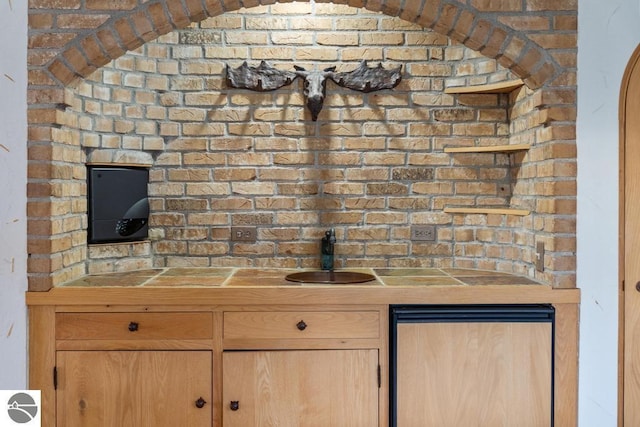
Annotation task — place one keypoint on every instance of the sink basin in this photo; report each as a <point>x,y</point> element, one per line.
<point>330,277</point>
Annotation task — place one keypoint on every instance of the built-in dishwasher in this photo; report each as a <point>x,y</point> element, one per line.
<point>471,365</point>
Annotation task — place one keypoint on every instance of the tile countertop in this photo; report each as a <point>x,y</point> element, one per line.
<point>275,277</point>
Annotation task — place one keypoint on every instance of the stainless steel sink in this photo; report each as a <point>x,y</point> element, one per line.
<point>330,277</point>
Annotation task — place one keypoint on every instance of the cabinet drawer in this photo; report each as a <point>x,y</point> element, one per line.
<point>301,324</point>
<point>133,326</point>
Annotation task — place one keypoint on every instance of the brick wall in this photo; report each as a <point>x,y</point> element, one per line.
<point>371,166</point>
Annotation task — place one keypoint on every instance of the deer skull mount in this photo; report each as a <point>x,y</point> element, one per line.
<point>265,78</point>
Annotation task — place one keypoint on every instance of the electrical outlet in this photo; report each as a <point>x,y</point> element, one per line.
<point>540,256</point>
<point>243,234</point>
<point>423,232</point>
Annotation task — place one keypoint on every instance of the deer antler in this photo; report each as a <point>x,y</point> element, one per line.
<point>261,78</point>
<point>368,79</point>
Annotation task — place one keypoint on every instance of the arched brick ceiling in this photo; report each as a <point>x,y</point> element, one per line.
<point>478,30</point>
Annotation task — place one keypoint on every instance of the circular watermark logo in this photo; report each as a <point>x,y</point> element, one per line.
<point>22,408</point>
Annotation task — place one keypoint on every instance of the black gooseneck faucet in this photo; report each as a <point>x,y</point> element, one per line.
<point>326,249</point>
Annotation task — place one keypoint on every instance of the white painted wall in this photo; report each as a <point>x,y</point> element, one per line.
<point>608,33</point>
<point>13,172</point>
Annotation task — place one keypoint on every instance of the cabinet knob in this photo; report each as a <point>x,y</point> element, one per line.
<point>234,405</point>
<point>638,286</point>
<point>301,325</point>
<point>200,403</point>
<point>133,326</point>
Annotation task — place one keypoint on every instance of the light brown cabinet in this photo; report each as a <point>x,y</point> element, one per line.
<point>290,356</point>
<point>284,324</point>
<point>300,388</point>
<point>120,369</point>
<point>291,366</point>
<point>133,326</point>
<point>134,388</point>
<point>474,374</point>
<point>302,368</point>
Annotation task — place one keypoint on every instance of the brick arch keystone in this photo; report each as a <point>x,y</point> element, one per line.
<point>479,31</point>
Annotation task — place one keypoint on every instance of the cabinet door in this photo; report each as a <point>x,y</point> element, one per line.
<point>474,375</point>
<point>133,388</point>
<point>314,388</point>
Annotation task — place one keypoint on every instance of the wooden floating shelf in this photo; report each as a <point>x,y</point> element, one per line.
<point>497,211</point>
<point>489,149</point>
<point>500,87</point>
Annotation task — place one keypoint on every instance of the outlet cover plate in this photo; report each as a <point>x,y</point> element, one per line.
<point>243,234</point>
<point>423,233</point>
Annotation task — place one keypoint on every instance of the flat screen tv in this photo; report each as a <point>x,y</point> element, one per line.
<point>118,204</point>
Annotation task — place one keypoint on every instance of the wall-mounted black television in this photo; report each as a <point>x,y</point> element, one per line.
<point>118,205</point>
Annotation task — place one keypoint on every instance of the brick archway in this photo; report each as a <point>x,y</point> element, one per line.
<point>478,30</point>
<point>70,39</point>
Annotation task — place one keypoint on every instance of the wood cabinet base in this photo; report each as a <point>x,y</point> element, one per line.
<point>130,363</point>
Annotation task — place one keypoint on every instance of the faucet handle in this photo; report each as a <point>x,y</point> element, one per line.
<point>331,235</point>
